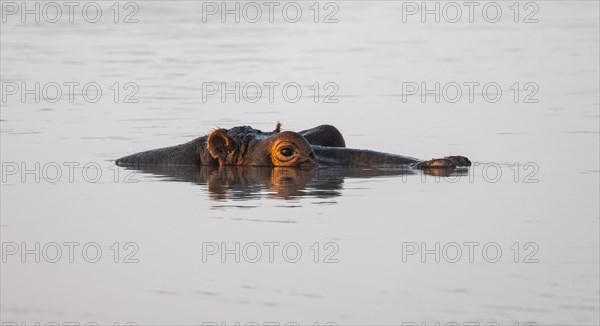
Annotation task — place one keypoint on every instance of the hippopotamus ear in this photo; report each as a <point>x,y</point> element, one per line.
<point>219,144</point>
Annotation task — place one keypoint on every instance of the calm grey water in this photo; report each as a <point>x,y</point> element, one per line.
<point>361,246</point>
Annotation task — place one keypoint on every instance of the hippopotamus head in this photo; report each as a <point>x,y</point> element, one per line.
<point>245,146</point>
<point>250,147</point>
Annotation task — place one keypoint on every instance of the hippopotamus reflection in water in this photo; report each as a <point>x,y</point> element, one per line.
<point>321,146</point>
<point>250,182</point>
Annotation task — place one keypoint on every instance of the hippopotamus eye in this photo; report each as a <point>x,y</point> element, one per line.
<point>287,152</point>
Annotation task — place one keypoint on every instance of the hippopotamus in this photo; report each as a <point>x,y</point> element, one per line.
<point>321,146</point>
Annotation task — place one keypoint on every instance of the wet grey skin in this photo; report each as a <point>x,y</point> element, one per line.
<point>321,146</point>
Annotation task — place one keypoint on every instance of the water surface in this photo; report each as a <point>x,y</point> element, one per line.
<point>535,181</point>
